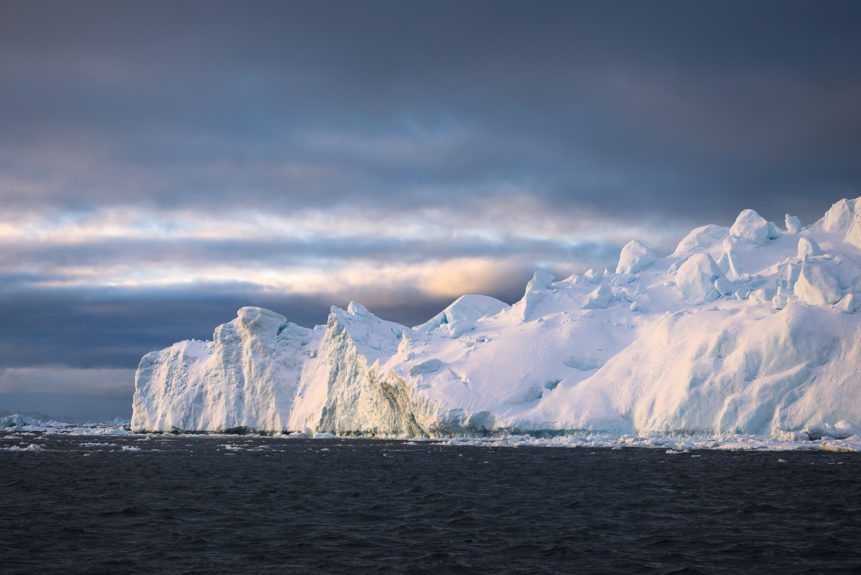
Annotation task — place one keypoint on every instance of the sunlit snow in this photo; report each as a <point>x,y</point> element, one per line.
<point>743,331</point>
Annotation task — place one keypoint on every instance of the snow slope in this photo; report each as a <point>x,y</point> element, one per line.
<point>743,329</point>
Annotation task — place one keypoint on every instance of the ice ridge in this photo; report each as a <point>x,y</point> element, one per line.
<point>749,329</point>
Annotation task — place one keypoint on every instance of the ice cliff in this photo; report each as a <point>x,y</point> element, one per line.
<point>745,329</point>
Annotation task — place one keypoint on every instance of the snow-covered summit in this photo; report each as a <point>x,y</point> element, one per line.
<point>462,315</point>
<point>742,329</point>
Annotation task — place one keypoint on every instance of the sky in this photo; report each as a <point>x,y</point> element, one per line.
<point>165,163</point>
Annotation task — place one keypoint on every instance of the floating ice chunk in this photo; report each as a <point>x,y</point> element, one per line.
<point>31,447</point>
<point>15,420</point>
<point>807,248</point>
<point>793,224</point>
<point>816,285</point>
<point>599,298</point>
<point>696,278</point>
<point>481,421</point>
<point>635,257</point>
<point>846,428</point>
<point>841,430</point>
<point>750,226</point>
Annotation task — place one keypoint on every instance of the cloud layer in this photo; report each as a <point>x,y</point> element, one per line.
<point>162,164</point>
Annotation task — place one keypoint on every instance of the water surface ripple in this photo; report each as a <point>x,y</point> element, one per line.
<point>270,505</point>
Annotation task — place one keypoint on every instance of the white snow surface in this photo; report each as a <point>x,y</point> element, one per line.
<point>635,257</point>
<point>747,330</point>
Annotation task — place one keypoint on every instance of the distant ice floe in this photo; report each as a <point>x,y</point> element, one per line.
<point>18,422</point>
<point>30,447</point>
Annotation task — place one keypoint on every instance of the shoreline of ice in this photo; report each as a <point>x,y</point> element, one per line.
<point>840,438</point>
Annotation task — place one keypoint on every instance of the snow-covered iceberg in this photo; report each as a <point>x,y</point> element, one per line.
<point>744,329</point>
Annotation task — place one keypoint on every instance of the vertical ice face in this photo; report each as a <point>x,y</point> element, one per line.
<point>853,234</point>
<point>739,330</point>
<point>535,291</point>
<point>246,377</point>
<point>839,216</point>
<point>344,393</point>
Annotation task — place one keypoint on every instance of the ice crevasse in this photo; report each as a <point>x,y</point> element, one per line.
<point>743,329</point>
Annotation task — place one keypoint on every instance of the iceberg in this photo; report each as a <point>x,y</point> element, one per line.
<point>741,330</point>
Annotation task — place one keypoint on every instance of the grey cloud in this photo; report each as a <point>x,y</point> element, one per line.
<point>287,253</point>
<point>665,108</point>
<point>82,408</point>
<point>113,328</point>
<point>679,113</point>
<point>41,380</point>
<point>108,328</point>
<point>90,327</point>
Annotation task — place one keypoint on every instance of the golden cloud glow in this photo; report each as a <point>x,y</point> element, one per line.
<point>337,254</point>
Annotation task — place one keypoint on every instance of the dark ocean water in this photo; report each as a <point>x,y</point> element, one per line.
<point>188,504</point>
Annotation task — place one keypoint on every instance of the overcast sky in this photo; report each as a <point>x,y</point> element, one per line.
<point>164,163</point>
